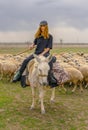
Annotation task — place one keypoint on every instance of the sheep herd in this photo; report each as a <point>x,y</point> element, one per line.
<point>9,64</point>
<point>76,65</point>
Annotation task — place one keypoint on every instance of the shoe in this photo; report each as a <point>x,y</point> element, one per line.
<point>53,85</point>
<point>54,59</point>
<point>16,77</point>
<point>52,80</point>
<point>23,81</point>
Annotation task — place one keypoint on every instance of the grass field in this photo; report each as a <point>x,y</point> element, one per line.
<point>69,112</point>
<point>55,50</point>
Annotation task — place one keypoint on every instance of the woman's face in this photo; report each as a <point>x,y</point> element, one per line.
<point>42,28</point>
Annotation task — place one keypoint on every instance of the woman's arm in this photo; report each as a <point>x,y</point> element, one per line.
<point>45,51</point>
<point>32,46</point>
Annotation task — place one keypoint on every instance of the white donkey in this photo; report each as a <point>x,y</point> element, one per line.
<point>38,70</point>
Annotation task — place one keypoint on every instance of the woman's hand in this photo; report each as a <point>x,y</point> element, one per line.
<point>31,46</point>
<point>45,51</point>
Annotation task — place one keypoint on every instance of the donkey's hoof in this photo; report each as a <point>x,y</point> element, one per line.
<point>31,108</point>
<point>52,101</point>
<point>43,112</point>
<point>81,91</point>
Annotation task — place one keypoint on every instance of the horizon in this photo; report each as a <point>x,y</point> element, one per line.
<point>60,43</point>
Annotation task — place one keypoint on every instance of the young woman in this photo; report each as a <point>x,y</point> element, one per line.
<point>43,43</point>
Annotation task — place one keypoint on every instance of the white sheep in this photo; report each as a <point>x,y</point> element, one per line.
<point>83,69</point>
<point>7,68</point>
<point>75,76</point>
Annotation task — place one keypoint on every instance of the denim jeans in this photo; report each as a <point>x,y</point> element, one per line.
<point>25,62</point>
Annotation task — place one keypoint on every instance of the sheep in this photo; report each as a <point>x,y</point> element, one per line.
<point>7,69</point>
<point>77,61</point>
<point>9,64</point>
<point>75,76</point>
<point>83,69</point>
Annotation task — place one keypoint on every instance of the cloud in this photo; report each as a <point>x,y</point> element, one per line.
<point>20,16</point>
<point>21,36</point>
<point>70,35</point>
<point>24,14</point>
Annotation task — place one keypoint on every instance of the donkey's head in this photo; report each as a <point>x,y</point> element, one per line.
<point>42,69</point>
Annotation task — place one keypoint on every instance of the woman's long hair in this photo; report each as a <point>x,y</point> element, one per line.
<point>45,34</point>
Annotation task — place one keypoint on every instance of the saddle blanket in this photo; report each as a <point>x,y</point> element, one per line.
<point>59,73</point>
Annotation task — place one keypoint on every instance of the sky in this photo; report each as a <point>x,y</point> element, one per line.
<point>67,19</point>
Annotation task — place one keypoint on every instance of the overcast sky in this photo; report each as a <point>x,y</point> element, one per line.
<point>68,19</point>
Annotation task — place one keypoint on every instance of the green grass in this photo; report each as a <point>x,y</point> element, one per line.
<point>67,49</point>
<point>55,50</point>
<point>69,112</point>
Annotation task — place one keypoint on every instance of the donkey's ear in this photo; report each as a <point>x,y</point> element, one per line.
<point>49,58</point>
<point>37,58</point>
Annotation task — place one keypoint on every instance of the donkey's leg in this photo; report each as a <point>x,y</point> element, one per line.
<point>33,98</point>
<point>41,96</point>
<point>53,95</point>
